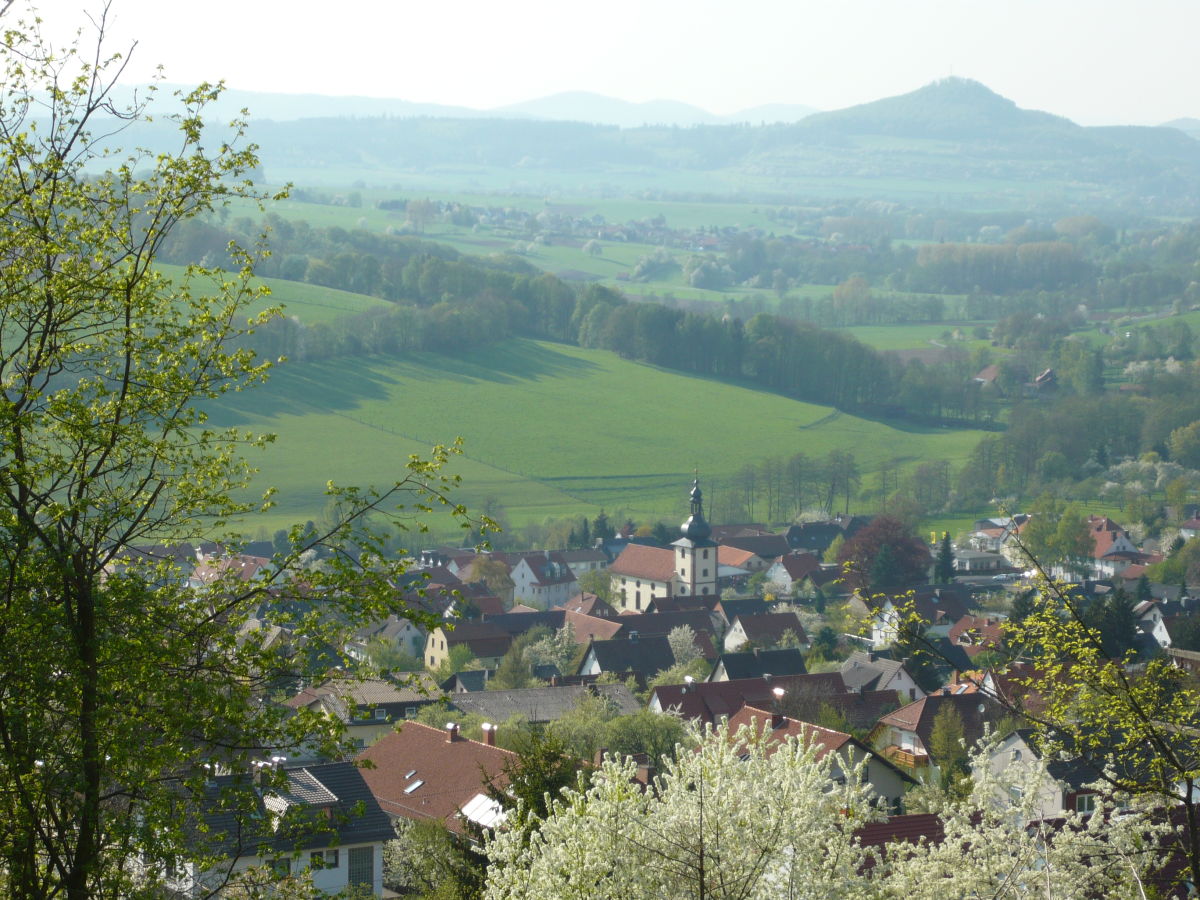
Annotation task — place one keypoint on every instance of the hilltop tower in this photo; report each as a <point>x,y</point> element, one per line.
<point>696,552</point>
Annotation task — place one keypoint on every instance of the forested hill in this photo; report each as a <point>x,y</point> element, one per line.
<point>442,301</point>
<point>950,131</point>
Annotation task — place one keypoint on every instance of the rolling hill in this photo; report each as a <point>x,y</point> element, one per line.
<point>550,429</point>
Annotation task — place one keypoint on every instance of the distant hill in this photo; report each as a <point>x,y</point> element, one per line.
<point>952,108</point>
<point>583,106</point>
<point>1188,126</point>
<point>953,135</point>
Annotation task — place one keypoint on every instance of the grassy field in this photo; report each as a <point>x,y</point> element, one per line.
<point>308,302</point>
<point>549,429</point>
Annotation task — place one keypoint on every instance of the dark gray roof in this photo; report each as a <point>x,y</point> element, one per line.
<point>756,663</point>
<point>238,823</point>
<point>866,670</point>
<point>541,704</point>
<point>643,656</point>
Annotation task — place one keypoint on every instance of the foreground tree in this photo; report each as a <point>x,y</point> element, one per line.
<point>121,688</point>
<point>734,817</point>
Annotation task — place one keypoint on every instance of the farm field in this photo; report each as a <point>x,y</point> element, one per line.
<point>550,429</point>
<point>308,302</point>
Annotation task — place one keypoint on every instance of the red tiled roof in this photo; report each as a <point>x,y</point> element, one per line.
<point>451,772</point>
<point>781,727</point>
<point>800,565</point>
<point>644,561</point>
<point>585,627</point>
<point>732,556</point>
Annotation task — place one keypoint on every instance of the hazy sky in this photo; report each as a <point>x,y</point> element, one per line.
<point>1095,61</point>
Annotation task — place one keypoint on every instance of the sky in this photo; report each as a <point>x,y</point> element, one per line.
<point>1097,62</point>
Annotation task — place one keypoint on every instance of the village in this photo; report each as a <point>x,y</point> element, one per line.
<point>725,626</point>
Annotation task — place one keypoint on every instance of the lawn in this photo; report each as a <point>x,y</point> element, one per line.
<point>550,429</point>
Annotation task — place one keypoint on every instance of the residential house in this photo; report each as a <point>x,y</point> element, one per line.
<point>320,821</point>
<point>487,642</point>
<point>766,547</point>
<point>977,634</point>
<point>816,537</point>
<point>641,657</point>
<point>937,607</point>
<point>1066,786</point>
<point>707,701</point>
<point>788,573</point>
<point>870,671</point>
<point>904,736</point>
<point>763,630</point>
<point>1190,528</point>
<point>1112,552</point>
<point>582,561</point>
<point>424,773</point>
<point>978,562</point>
<point>369,709</point>
<point>394,632</point>
<point>543,580</point>
<point>540,705</point>
<point>886,782</point>
<point>758,662</point>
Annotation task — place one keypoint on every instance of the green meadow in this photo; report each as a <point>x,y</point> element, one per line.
<point>308,302</point>
<point>550,429</point>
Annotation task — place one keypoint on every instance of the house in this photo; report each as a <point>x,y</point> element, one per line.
<point>886,782</point>
<point>394,632</point>
<point>487,642</point>
<point>975,562</point>
<point>937,607</point>
<point>424,773</point>
<point>757,662</point>
<point>641,657</point>
<point>1112,552</point>
<point>542,704</point>
<point>1190,528</point>
<point>582,561</point>
<point>687,568</point>
<point>238,567</point>
<point>816,537</point>
<point>1066,786</point>
<point>869,671</point>
<point>543,580</point>
<point>707,701</point>
<point>788,573</point>
<point>321,821</point>
<point>766,547</point>
<point>370,708</point>
<point>976,634</point>
<point>763,630</point>
<point>904,736</point>
<point>997,535</point>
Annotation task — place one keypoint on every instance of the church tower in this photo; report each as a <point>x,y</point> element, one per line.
<point>695,552</point>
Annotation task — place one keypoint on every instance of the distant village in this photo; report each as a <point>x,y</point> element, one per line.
<point>736,624</point>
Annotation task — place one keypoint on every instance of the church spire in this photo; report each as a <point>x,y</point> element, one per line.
<point>696,528</point>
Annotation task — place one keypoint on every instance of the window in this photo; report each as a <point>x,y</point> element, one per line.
<point>323,859</point>
<point>705,573</point>
<point>409,712</point>
<point>706,554</point>
<point>704,590</point>
<point>380,713</point>
<point>1085,803</point>
<point>282,867</point>
<point>361,862</point>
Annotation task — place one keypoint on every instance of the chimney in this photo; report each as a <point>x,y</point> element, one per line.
<point>756,653</point>
<point>645,769</point>
<point>553,681</point>
<point>870,656</point>
<point>489,734</point>
<point>633,636</point>
<point>451,732</point>
<point>776,708</point>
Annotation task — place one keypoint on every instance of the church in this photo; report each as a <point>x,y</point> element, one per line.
<point>688,568</point>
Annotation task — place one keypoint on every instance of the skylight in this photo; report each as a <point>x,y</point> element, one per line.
<point>412,787</point>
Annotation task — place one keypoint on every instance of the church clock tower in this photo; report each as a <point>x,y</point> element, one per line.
<point>695,552</point>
